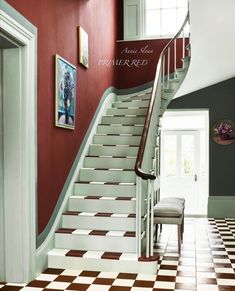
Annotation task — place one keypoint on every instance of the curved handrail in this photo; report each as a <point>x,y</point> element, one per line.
<point>139,172</point>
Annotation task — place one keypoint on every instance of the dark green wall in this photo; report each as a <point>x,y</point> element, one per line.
<point>220,100</point>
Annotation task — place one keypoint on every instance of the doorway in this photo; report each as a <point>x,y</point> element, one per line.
<point>17,149</point>
<point>185,159</point>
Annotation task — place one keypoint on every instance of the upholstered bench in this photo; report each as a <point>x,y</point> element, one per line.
<point>170,211</point>
<point>173,200</point>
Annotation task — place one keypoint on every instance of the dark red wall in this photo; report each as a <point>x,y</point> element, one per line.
<point>57,22</point>
<point>138,60</point>
<point>143,57</point>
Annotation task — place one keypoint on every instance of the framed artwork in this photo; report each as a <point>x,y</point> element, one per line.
<point>83,47</point>
<point>223,132</point>
<point>65,93</point>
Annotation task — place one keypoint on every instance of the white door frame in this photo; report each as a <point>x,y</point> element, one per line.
<point>18,214</point>
<point>194,112</point>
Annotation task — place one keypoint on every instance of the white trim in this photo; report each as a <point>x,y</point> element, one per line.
<point>21,233</point>
<point>133,30</point>
<point>193,112</point>
<point>2,241</point>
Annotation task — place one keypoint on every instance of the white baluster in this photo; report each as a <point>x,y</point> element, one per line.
<point>183,44</point>
<point>163,71</point>
<point>152,216</point>
<point>168,67</point>
<point>175,55</point>
<point>148,220</point>
<point>138,215</point>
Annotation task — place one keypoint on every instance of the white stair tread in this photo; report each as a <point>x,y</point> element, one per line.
<point>180,69</point>
<point>91,232</point>
<point>109,169</point>
<point>125,115</point>
<point>96,197</point>
<point>135,98</point>
<point>128,107</point>
<point>131,100</point>
<point>102,261</point>
<point>119,125</point>
<point>187,58</point>
<point>93,254</point>
<point>103,156</point>
<point>116,145</point>
<point>174,80</point>
<point>106,183</point>
<point>119,134</point>
<point>99,214</point>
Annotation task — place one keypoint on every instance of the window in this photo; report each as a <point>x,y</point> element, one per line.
<point>153,18</point>
<point>164,17</point>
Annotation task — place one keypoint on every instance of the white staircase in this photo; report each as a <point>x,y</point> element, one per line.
<point>98,230</point>
<point>109,222</point>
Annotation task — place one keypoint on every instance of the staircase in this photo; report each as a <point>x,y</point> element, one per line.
<point>98,230</point>
<point>172,84</point>
<point>109,221</point>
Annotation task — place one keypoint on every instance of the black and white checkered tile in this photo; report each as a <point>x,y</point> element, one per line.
<point>206,263</point>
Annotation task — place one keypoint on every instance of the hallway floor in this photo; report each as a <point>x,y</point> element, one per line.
<point>206,263</point>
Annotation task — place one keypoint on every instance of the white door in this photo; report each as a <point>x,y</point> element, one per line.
<point>180,156</point>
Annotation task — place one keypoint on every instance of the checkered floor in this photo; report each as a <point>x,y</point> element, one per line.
<point>206,263</point>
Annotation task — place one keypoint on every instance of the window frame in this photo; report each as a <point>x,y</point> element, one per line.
<point>141,22</point>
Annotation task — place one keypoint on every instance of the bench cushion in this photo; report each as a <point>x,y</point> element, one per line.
<point>168,209</point>
<point>173,200</point>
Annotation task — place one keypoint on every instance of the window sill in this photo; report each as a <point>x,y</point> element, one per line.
<point>150,38</point>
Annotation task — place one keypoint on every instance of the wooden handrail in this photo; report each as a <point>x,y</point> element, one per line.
<point>139,160</point>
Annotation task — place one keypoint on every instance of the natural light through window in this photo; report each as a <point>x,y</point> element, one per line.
<point>183,122</point>
<point>164,17</point>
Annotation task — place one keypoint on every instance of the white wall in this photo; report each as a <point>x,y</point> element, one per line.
<point>212,25</point>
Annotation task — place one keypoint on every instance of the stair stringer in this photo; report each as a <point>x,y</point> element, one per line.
<point>46,240</point>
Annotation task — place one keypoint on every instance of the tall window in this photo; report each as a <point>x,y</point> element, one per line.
<point>153,18</point>
<point>164,17</point>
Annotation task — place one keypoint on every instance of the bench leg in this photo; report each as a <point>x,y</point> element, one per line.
<point>179,226</point>
<point>182,230</point>
<point>156,231</point>
<point>183,224</point>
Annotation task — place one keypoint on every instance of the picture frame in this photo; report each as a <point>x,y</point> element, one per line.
<point>223,132</point>
<point>65,93</point>
<point>83,47</point>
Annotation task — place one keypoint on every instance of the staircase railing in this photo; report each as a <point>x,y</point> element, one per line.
<point>147,161</point>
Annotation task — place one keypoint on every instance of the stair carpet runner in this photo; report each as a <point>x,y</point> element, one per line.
<point>100,221</point>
